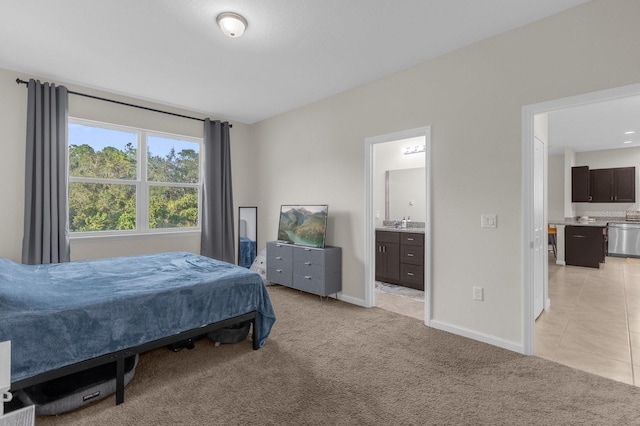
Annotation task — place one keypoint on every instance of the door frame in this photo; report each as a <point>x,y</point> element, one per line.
<point>528,112</point>
<point>369,222</point>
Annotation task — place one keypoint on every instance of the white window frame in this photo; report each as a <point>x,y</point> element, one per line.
<point>141,183</point>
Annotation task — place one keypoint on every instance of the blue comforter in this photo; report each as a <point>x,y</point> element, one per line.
<point>59,314</point>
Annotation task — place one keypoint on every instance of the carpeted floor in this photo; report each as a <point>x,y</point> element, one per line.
<point>331,363</point>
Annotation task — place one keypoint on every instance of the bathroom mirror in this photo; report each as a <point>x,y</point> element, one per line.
<point>405,194</point>
<point>247,235</point>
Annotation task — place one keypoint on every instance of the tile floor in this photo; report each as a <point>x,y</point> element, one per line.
<point>593,323</point>
<point>401,300</point>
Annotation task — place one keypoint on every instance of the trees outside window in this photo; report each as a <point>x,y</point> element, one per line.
<point>115,189</point>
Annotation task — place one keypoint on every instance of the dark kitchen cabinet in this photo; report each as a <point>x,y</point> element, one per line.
<point>400,258</point>
<point>585,245</point>
<point>624,184</point>
<point>613,185</point>
<point>580,184</point>
<point>600,185</point>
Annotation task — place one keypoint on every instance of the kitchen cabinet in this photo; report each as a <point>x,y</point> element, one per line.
<point>613,185</point>
<point>580,184</point>
<point>624,184</point>
<point>585,245</point>
<point>400,258</point>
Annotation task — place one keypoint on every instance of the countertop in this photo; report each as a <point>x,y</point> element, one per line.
<point>394,229</point>
<point>598,221</point>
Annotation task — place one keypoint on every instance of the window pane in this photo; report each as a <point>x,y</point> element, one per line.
<point>172,207</point>
<point>101,207</point>
<point>172,160</point>
<point>102,153</point>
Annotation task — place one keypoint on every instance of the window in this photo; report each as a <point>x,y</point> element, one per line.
<point>114,189</point>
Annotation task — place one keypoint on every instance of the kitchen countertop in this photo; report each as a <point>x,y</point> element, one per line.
<point>394,229</point>
<point>598,221</point>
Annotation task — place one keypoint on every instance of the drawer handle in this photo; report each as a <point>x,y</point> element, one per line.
<point>579,236</point>
<point>409,254</point>
<point>279,270</point>
<point>307,277</point>
<point>410,274</point>
<point>409,239</point>
<point>278,257</point>
<point>307,249</point>
<point>307,263</point>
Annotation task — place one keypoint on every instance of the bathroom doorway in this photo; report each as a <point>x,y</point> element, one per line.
<point>398,208</point>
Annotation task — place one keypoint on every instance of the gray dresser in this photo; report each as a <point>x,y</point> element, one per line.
<point>314,270</point>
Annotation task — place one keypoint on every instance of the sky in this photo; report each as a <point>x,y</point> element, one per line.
<point>99,138</point>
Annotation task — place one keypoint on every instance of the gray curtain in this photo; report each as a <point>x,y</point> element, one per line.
<point>217,239</point>
<point>46,229</point>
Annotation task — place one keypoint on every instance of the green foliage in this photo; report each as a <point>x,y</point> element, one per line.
<point>112,206</point>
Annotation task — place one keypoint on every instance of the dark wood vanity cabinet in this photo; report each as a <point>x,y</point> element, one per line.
<point>585,245</point>
<point>614,185</point>
<point>400,258</point>
<point>387,256</point>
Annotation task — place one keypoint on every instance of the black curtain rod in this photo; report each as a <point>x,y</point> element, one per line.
<point>19,81</point>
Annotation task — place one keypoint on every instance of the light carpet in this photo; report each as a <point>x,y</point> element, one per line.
<point>332,363</point>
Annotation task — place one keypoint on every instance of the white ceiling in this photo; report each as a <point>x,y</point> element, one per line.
<point>596,126</point>
<point>294,52</point>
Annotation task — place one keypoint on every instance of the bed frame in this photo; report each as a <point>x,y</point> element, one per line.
<point>119,356</point>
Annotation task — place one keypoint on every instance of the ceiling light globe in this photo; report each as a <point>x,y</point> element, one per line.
<point>231,24</point>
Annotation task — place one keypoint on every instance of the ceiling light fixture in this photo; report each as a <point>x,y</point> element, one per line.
<point>232,24</point>
<point>628,142</point>
<point>630,132</point>
<point>414,149</point>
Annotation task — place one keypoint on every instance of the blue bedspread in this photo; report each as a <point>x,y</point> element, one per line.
<point>59,314</point>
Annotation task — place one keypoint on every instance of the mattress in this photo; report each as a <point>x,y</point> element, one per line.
<point>59,314</point>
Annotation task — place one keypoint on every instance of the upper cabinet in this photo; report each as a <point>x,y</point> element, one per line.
<point>616,185</point>
<point>580,184</point>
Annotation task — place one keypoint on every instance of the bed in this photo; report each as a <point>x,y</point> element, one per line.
<point>63,318</point>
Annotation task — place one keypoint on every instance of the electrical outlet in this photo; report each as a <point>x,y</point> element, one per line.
<point>478,293</point>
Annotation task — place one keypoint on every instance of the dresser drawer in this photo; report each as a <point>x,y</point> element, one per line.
<point>412,239</point>
<point>411,254</point>
<point>308,269</point>
<point>277,250</point>
<point>309,283</point>
<point>280,274</point>
<point>412,276</point>
<point>302,254</point>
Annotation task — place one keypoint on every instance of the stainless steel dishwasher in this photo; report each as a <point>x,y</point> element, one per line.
<point>624,239</point>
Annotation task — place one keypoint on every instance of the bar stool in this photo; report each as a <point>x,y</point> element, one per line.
<point>552,240</point>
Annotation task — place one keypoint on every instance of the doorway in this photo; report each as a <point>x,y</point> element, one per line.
<point>534,277</point>
<point>412,150</point>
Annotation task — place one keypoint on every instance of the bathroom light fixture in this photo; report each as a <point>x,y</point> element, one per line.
<point>627,142</point>
<point>630,132</point>
<point>414,149</point>
<point>231,24</point>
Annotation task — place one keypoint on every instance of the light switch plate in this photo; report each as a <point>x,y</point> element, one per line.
<point>489,221</point>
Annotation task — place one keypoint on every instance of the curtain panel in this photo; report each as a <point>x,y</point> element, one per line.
<point>217,240</point>
<point>46,224</point>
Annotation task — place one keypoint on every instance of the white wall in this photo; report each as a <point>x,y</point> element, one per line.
<point>473,100</point>
<point>13,107</point>
<point>624,157</point>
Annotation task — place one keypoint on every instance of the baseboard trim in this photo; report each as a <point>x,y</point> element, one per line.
<point>481,337</point>
<point>352,300</point>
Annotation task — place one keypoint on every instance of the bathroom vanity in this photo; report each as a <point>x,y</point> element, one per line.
<point>400,256</point>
